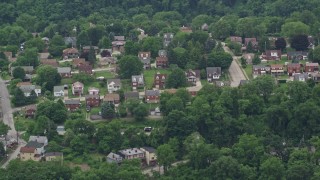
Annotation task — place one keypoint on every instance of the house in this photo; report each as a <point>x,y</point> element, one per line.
<point>37,145</point>
<point>248,57</point>
<point>236,39</point>
<point>150,155</point>
<point>65,72</point>
<point>133,153</point>
<point>137,81</point>
<point>142,34</point>
<point>293,68</point>
<point>213,73</point>
<point>297,55</point>
<point>27,78</point>
<point>311,42</point>
<point>30,111</point>
<point>28,153</point>
<point>253,42</point>
<point>58,91</point>
<point>311,67</point>
<point>159,80</point>
<point>315,77</point>
<point>72,41</point>
<point>85,68</point>
<point>118,44</point>
<point>70,53</point>
<point>155,111</point>
<point>104,61</point>
<point>61,130</point>
<point>53,156</point>
<point>112,99</point>
<point>43,56</point>
<point>49,62</point>
<point>258,70</point>
<point>193,76</point>
<point>92,100</point>
<point>131,95</point>
<point>162,62</point>
<point>72,104</point>
<point>193,91</point>
<point>76,62</point>
<point>27,69</point>
<point>23,84</point>
<point>162,53</point>
<point>46,40</point>
<point>276,69</point>
<point>113,85</point>
<point>40,139</point>
<point>27,89</point>
<point>87,49</point>
<point>93,91</point>
<point>152,96</point>
<point>272,55</point>
<point>301,77</point>
<point>77,88</point>
<point>114,158</point>
<point>145,58</point>
<point>186,29</point>
<point>205,27</point>
<point>167,38</point>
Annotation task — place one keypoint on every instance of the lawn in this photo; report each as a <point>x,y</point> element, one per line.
<point>149,76</point>
<point>106,74</point>
<point>22,123</point>
<point>248,71</point>
<point>126,85</point>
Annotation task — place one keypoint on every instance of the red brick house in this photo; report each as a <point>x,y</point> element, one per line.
<point>76,62</point>
<point>162,62</point>
<point>72,104</point>
<point>293,68</point>
<point>193,76</point>
<point>272,55</point>
<point>152,96</point>
<point>276,69</point>
<point>84,68</point>
<point>112,99</point>
<point>137,81</point>
<point>159,80</point>
<point>311,67</point>
<point>30,111</point>
<point>253,41</point>
<point>93,100</point>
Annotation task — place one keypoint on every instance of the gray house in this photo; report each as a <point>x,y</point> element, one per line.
<point>58,91</point>
<point>213,73</point>
<point>114,158</point>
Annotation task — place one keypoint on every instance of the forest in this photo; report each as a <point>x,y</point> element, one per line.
<point>260,130</point>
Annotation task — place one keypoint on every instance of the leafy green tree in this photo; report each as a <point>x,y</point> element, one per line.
<point>178,124</point>
<point>152,44</point>
<point>300,42</point>
<point>18,73</point>
<point>281,43</point>
<point>272,168</point>
<point>290,29</point>
<point>132,48</point>
<point>130,65</point>
<point>107,111</point>
<point>174,103</point>
<point>104,43</point>
<point>178,56</point>
<point>28,58</point>
<point>53,110</point>
<point>79,144</point>
<point>165,156</point>
<point>140,112</point>
<point>92,56</point>
<point>56,46</point>
<point>47,77</point>
<point>35,43</point>
<point>243,62</point>
<point>2,150</point>
<point>176,79</point>
<point>4,129</point>
<point>83,39</point>
<point>83,77</point>
<point>250,47</point>
<point>19,98</point>
<point>315,54</point>
<point>219,59</point>
<point>256,60</point>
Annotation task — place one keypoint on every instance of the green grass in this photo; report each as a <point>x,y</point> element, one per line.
<point>106,74</point>
<point>126,85</point>
<point>66,81</point>
<point>149,76</point>
<point>5,75</point>
<point>22,123</point>
<point>248,71</point>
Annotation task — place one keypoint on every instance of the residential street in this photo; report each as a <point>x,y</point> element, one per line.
<point>235,71</point>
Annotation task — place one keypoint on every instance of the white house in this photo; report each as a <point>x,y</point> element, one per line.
<point>114,85</point>
<point>58,91</point>
<point>27,89</point>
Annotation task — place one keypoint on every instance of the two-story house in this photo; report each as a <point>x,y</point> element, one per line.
<point>70,53</point>
<point>113,85</point>
<point>213,73</point>
<point>72,104</point>
<point>150,155</point>
<point>159,80</point>
<point>167,38</point>
<point>297,55</point>
<point>258,70</point>
<point>28,153</point>
<point>293,68</point>
<point>137,81</point>
<point>276,69</point>
<point>133,153</point>
<point>162,62</point>
<point>145,58</point>
<point>30,111</point>
<point>114,158</point>
<point>93,91</point>
<point>27,89</point>
<point>193,76</point>
<point>92,100</point>
<point>272,55</point>
<point>118,44</point>
<point>112,99</point>
<point>311,67</point>
<point>253,41</point>
<point>76,62</point>
<point>301,77</point>
<point>152,96</point>
<point>65,72</point>
<point>77,88</point>
<point>85,68</point>
<point>58,91</point>
<point>236,39</point>
<point>40,139</point>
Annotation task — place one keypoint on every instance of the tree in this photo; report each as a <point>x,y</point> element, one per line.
<point>140,112</point>
<point>178,56</point>
<point>29,58</point>
<point>152,44</point>
<point>18,73</point>
<point>256,60</point>
<point>4,129</point>
<point>56,46</point>
<point>107,111</point>
<point>104,43</point>
<point>2,150</point>
<point>219,59</point>
<point>79,144</point>
<point>165,156</point>
<point>47,77</point>
<point>272,168</point>
<point>176,79</point>
<point>132,48</point>
<point>281,43</point>
<point>300,42</point>
<point>249,47</point>
<point>178,124</point>
<point>55,111</point>
<point>243,62</point>
<point>291,29</point>
<point>19,98</point>
<point>130,65</point>
<point>35,43</point>
<point>92,56</point>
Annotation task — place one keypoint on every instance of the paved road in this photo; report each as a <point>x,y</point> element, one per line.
<point>234,70</point>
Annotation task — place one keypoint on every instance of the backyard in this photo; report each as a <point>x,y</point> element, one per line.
<point>149,76</point>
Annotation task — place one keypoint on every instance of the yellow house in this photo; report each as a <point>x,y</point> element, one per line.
<point>150,155</point>
<point>29,153</point>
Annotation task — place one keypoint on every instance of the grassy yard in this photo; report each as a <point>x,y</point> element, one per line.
<point>149,76</point>
<point>106,74</point>
<point>126,85</point>
<point>22,123</point>
<point>248,71</point>
<point>66,81</point>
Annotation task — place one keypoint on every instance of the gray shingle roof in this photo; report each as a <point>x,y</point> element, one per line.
<point>131,94</point>
<point>58,88</point>
<point>213,70</point>
<point>34,144</point>
<point>64,69</point>
<point>116,81</point>
<point>72,101</point>
<point>152,92</point>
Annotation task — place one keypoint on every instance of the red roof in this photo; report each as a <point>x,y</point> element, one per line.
<point>27,149</point>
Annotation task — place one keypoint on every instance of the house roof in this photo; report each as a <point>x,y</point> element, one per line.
<point>132,151</point>
<point>152,93</point>
<point>119,38</point>
<point>236,39</point>
<point>77,84</point>
<point>48,154</point>
<point>70,40</point>
<point>213,70</point>
<point>276,66</point>
<point>92,96</point>
<point>298,53</point>
<point>252,40</point>
<point>160,76</point>
<point>64,70</point>
<point>161,59</point>
<point>149,149</point>
<point>34,144</point>
<point>85,67</point>
<point>93,89</point>
<point>60,128</point>
<point>27,88</point>
<point>162,52</point>
<point>27,149</point>
<point>312,64</point>
<point>31,107</point>
<point>258,66</point>
<point>269,52</point>
<point>136,78</point>
<point>114,156</point>
<point>298,76</point>
<point>23,84</point>
<point>195,73</point>
<point>25,68</point>
<point>40,139</point>
<point>78,61</point>
<point>131,94</point>
<point>142,54</point>
<point>71,101</point>
<point>58,88</point>
<point>297,65</point>
<point>111,97</point>
<point>89,47</point>
<point>171,91</point>
<point>115,81</point>
<point>194,88</point>
<point>145,61</point>
<point>70,51</point>
<point>52,62</point>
